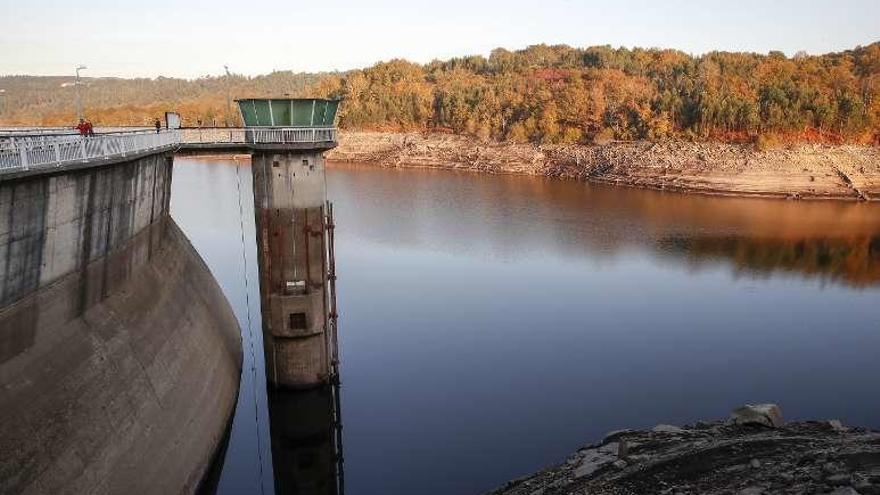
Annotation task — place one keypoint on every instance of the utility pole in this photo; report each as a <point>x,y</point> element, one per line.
<point>2,101</point>
<point>228,98</point>
<point>76,85</point>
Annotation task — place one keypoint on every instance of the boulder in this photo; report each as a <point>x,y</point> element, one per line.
<point>593,460</point>
<point>668,429</point>
<point>837,426</point>
<point>768,415</point>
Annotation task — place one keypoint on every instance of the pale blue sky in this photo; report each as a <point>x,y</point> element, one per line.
<point>190,39</point>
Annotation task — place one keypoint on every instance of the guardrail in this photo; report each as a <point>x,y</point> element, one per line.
<point>256,135</point>
<point>54,150</point>
<point>291,135</point>
<point>209,135</point>
<point>24,131</point>
<point>57,151</point>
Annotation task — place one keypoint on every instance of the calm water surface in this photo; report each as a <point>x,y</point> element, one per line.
<point>491,325</point>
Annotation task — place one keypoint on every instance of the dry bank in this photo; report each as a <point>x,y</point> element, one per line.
<point>800,171</point>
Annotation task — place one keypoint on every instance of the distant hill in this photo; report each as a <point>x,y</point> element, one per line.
<point>541,94</point>
<point>48,100</point>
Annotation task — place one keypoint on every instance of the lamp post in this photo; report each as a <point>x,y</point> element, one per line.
<point>76,85</point>
<point>228,100</point>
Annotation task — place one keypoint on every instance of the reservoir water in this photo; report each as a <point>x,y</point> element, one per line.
<point>491,325</point>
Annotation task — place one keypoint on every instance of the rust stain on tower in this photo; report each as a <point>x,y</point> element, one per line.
<point>294,225</point>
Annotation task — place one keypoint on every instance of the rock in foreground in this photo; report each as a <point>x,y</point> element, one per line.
<point>718,458</point>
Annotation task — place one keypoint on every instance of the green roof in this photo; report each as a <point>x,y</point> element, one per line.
<point>288,112</point>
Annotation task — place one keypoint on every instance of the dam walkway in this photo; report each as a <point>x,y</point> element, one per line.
<point>46,148</point>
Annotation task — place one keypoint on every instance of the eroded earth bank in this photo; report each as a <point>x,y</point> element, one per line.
<point>800,171</point>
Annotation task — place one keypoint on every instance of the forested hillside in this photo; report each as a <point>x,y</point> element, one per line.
<point>51,100</point>
<point>545,94</point>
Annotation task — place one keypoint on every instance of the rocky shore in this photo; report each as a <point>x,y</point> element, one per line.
<point>752,453</point>
<point>796,172</point>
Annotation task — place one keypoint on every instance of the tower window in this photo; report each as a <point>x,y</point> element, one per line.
<point>297,321</point>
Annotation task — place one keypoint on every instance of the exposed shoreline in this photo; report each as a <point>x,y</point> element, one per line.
<point>807,171</point>
<point>746,455</point>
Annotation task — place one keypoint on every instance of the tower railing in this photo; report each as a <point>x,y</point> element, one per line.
<point>292,135</point>
<point>257,135</point>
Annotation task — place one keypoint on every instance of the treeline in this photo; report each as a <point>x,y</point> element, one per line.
<point>559,94</point>
<point>542,94</point>
<point>40,100</point>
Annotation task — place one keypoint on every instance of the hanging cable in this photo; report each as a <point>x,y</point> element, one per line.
<point>247,296</point>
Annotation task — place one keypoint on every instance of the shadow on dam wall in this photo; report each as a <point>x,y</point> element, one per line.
<point>120,357</point>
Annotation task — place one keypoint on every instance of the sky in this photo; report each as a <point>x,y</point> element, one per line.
<point>124,38</point>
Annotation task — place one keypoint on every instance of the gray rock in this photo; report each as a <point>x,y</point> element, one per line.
<point>769,415</point>
<point>736,468</point>
<point>622,449</point>
<point>830,467</point>
<point>559,483</point>
<point>845,490</point>
<point>620,464</point>
<point>755,463</point>
<point>752,490</point>
<point>615,434</point>
<point>836,425</point>
<point>864,486</point>
<point>839,479</point>
<point>609,448</point>
<point>593,460</point>
<point>668,429</point>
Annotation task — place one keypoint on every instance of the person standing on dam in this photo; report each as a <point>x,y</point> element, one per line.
<point>82,127</point>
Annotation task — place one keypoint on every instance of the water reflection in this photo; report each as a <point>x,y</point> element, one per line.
<point>306,432</point>
<point>283,440</point>
<point>851,261</point>
<point>494,324</point>
<point>509,217</point>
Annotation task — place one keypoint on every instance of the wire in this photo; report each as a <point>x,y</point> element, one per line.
<point>247,296</point>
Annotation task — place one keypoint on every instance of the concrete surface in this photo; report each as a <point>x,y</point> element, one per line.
<point>120,357</point>
<point>289,196</point>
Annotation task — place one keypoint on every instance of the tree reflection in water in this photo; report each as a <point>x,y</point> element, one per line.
<point>853,261</point>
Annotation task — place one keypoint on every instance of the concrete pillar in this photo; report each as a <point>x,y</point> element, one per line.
<point>289,199</point>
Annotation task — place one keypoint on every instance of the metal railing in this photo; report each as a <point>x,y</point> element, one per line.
<point>209,135</point>
<point>291,135</point>
<point>24,152</point>
<point>57,151</point>
<point>23,131</point>
<point>269,135</point>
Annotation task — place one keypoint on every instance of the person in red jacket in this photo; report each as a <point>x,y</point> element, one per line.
<point>82,127</point>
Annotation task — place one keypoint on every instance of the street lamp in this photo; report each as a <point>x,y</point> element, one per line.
<point>228,100</point>
<point>76,84</point>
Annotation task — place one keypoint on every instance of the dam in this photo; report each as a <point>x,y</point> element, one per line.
<point>120,357</point>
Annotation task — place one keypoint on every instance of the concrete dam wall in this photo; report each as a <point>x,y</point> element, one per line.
<point>120,357</point>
